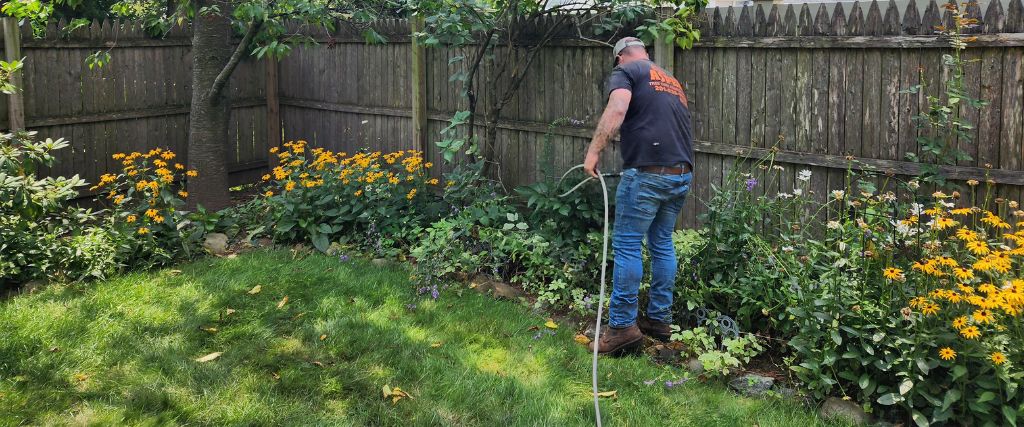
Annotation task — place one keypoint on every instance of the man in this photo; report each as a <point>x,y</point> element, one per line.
<point>648,108</point>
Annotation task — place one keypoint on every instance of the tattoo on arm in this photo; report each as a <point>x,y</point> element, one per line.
<point>611,120</point>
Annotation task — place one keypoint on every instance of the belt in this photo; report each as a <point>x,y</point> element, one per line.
<point>666,170</point>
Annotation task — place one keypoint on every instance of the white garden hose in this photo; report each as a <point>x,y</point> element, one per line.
<point>604,267</point>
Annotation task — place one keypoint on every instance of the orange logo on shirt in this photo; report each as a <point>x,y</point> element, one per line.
<point>663,82</point>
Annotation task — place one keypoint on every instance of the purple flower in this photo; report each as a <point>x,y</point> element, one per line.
<point>751,183</point>
<point>343,258</point>
<point>433,292</point>
<point>670,383</point>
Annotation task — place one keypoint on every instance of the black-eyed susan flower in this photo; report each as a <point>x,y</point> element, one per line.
<point>268,193</point>
<point>964,274</point>
<point>947,353</point>
<point>930,309</point>
<point>997,358</point>
<point>970,332</point>
<point>960,322</point>
<point>982,316</point>
<point>192,173</point>
<point>893,273</point>
<point>130,218</point>
<point>143,230</point>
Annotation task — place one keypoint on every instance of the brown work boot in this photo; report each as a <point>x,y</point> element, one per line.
<point>615,341</point>
<point>654,329</point>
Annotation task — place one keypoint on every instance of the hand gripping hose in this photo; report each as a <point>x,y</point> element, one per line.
<point>604,267</point>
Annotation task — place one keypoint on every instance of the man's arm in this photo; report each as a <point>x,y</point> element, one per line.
<point>607,127</point>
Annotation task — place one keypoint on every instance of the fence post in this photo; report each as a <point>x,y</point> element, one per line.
<point>664,51</point>
<point>12,51</point>
<point>273,104</point>
<point>419,87</point>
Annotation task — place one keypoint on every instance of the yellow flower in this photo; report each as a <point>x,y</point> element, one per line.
<point>119,199</point>
<point>179,166</point>
<point>151,213</point>
<point>158,219</point>
<point>947,354</point>
<point>944,223</point>
<point>412,193</point>
<point>978,247</point>
<point>289,186</point>
<point>159,163</point>
<point>266,177</point>
<point>130,218</point>
<point>963,273</point>
<point>893,273</point>
<point>982,316</point>
<point>183,193</point>
<point>918,302</point>
<point>961,211</point>
<point>273,150</point>
<point>997,358</point>
<point>143,230</point>
<point>268,193</point>
<point>433,181</point>
<point>118,156</point>
<point>167,155</point>
<point>910,221</point>
<point>960,322</point>
<point>394,180</point>
<point>192,173</point>
<point>972,182</point>
<point>970,332</point>
<point>358,193</point>
<point>930,309</point>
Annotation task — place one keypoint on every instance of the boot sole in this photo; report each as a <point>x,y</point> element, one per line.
<point>625,349</point>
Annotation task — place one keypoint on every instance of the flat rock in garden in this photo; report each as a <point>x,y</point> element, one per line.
<point>694,366</point>
<point>836,408</point>
<point>379,262</point>
<point>752,384</point>
<point>506,291</point>
<point>264,242</point>
<point>216,243</point>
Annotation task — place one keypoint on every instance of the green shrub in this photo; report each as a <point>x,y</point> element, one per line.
<point>35,225</point>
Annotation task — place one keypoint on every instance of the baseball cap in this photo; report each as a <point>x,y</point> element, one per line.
<point>624,43</point>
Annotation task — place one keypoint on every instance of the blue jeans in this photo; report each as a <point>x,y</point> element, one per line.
<point>646,205</point>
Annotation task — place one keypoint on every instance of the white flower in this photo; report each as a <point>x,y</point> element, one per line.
<point>914,184</point>
<point>804,175</point>
<point>842,246</point>
<point>778,168</point>
<point>833,225</point>
<point>797,192</point>
<point>784,195</point>
<point>838,194</point>
<point>916,209</point>
<point>948,204</point>
<point>787,249</point>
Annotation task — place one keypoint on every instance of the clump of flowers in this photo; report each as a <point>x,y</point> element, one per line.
<point>147,196</point>
<point>318,193</point>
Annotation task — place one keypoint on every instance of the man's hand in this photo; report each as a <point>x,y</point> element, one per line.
<point>590,163</point>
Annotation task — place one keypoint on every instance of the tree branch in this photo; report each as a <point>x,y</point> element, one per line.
<point>236,57</point>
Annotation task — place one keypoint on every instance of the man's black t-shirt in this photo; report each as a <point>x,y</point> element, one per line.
<point>656,130</point>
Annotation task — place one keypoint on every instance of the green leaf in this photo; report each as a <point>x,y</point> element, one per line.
<point>320,242</point>
<point>889,399</point>
<point>864,381</point>
<point>324,228</point>
<point>836,338</point>
<point>1010,414</point>
<point>959,371</point>
<point>906,386</point>
<point>986,396</point>
<point>919,418</point>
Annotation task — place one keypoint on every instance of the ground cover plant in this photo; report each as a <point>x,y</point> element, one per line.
<point>289,338</point>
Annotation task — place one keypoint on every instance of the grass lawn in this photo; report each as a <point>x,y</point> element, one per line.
<point>122,352</point>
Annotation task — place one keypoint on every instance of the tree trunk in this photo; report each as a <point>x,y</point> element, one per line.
<point>210,114</point>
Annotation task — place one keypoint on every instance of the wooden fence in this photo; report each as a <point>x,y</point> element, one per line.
<point>138,101</point>
<point>820,85</point>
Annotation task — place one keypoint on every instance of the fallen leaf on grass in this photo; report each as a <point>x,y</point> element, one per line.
<point>275,375</point>
<point>210,330</point>
<point>298,315</point>
<point>174,272</point>
<point>318,363</point>
<point>551,324</point>
<point>323,337</point>
<point>81,377</point>
<point>209,357</point>
<point>612,393</point>
<point>255,290</point>
<point>435,345</point>
<point>533,328</point>
<point>54,349</point>
<point>229,312</point>
<point>283,302</point>
<point>395,394</point>
<point>582,339</point>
